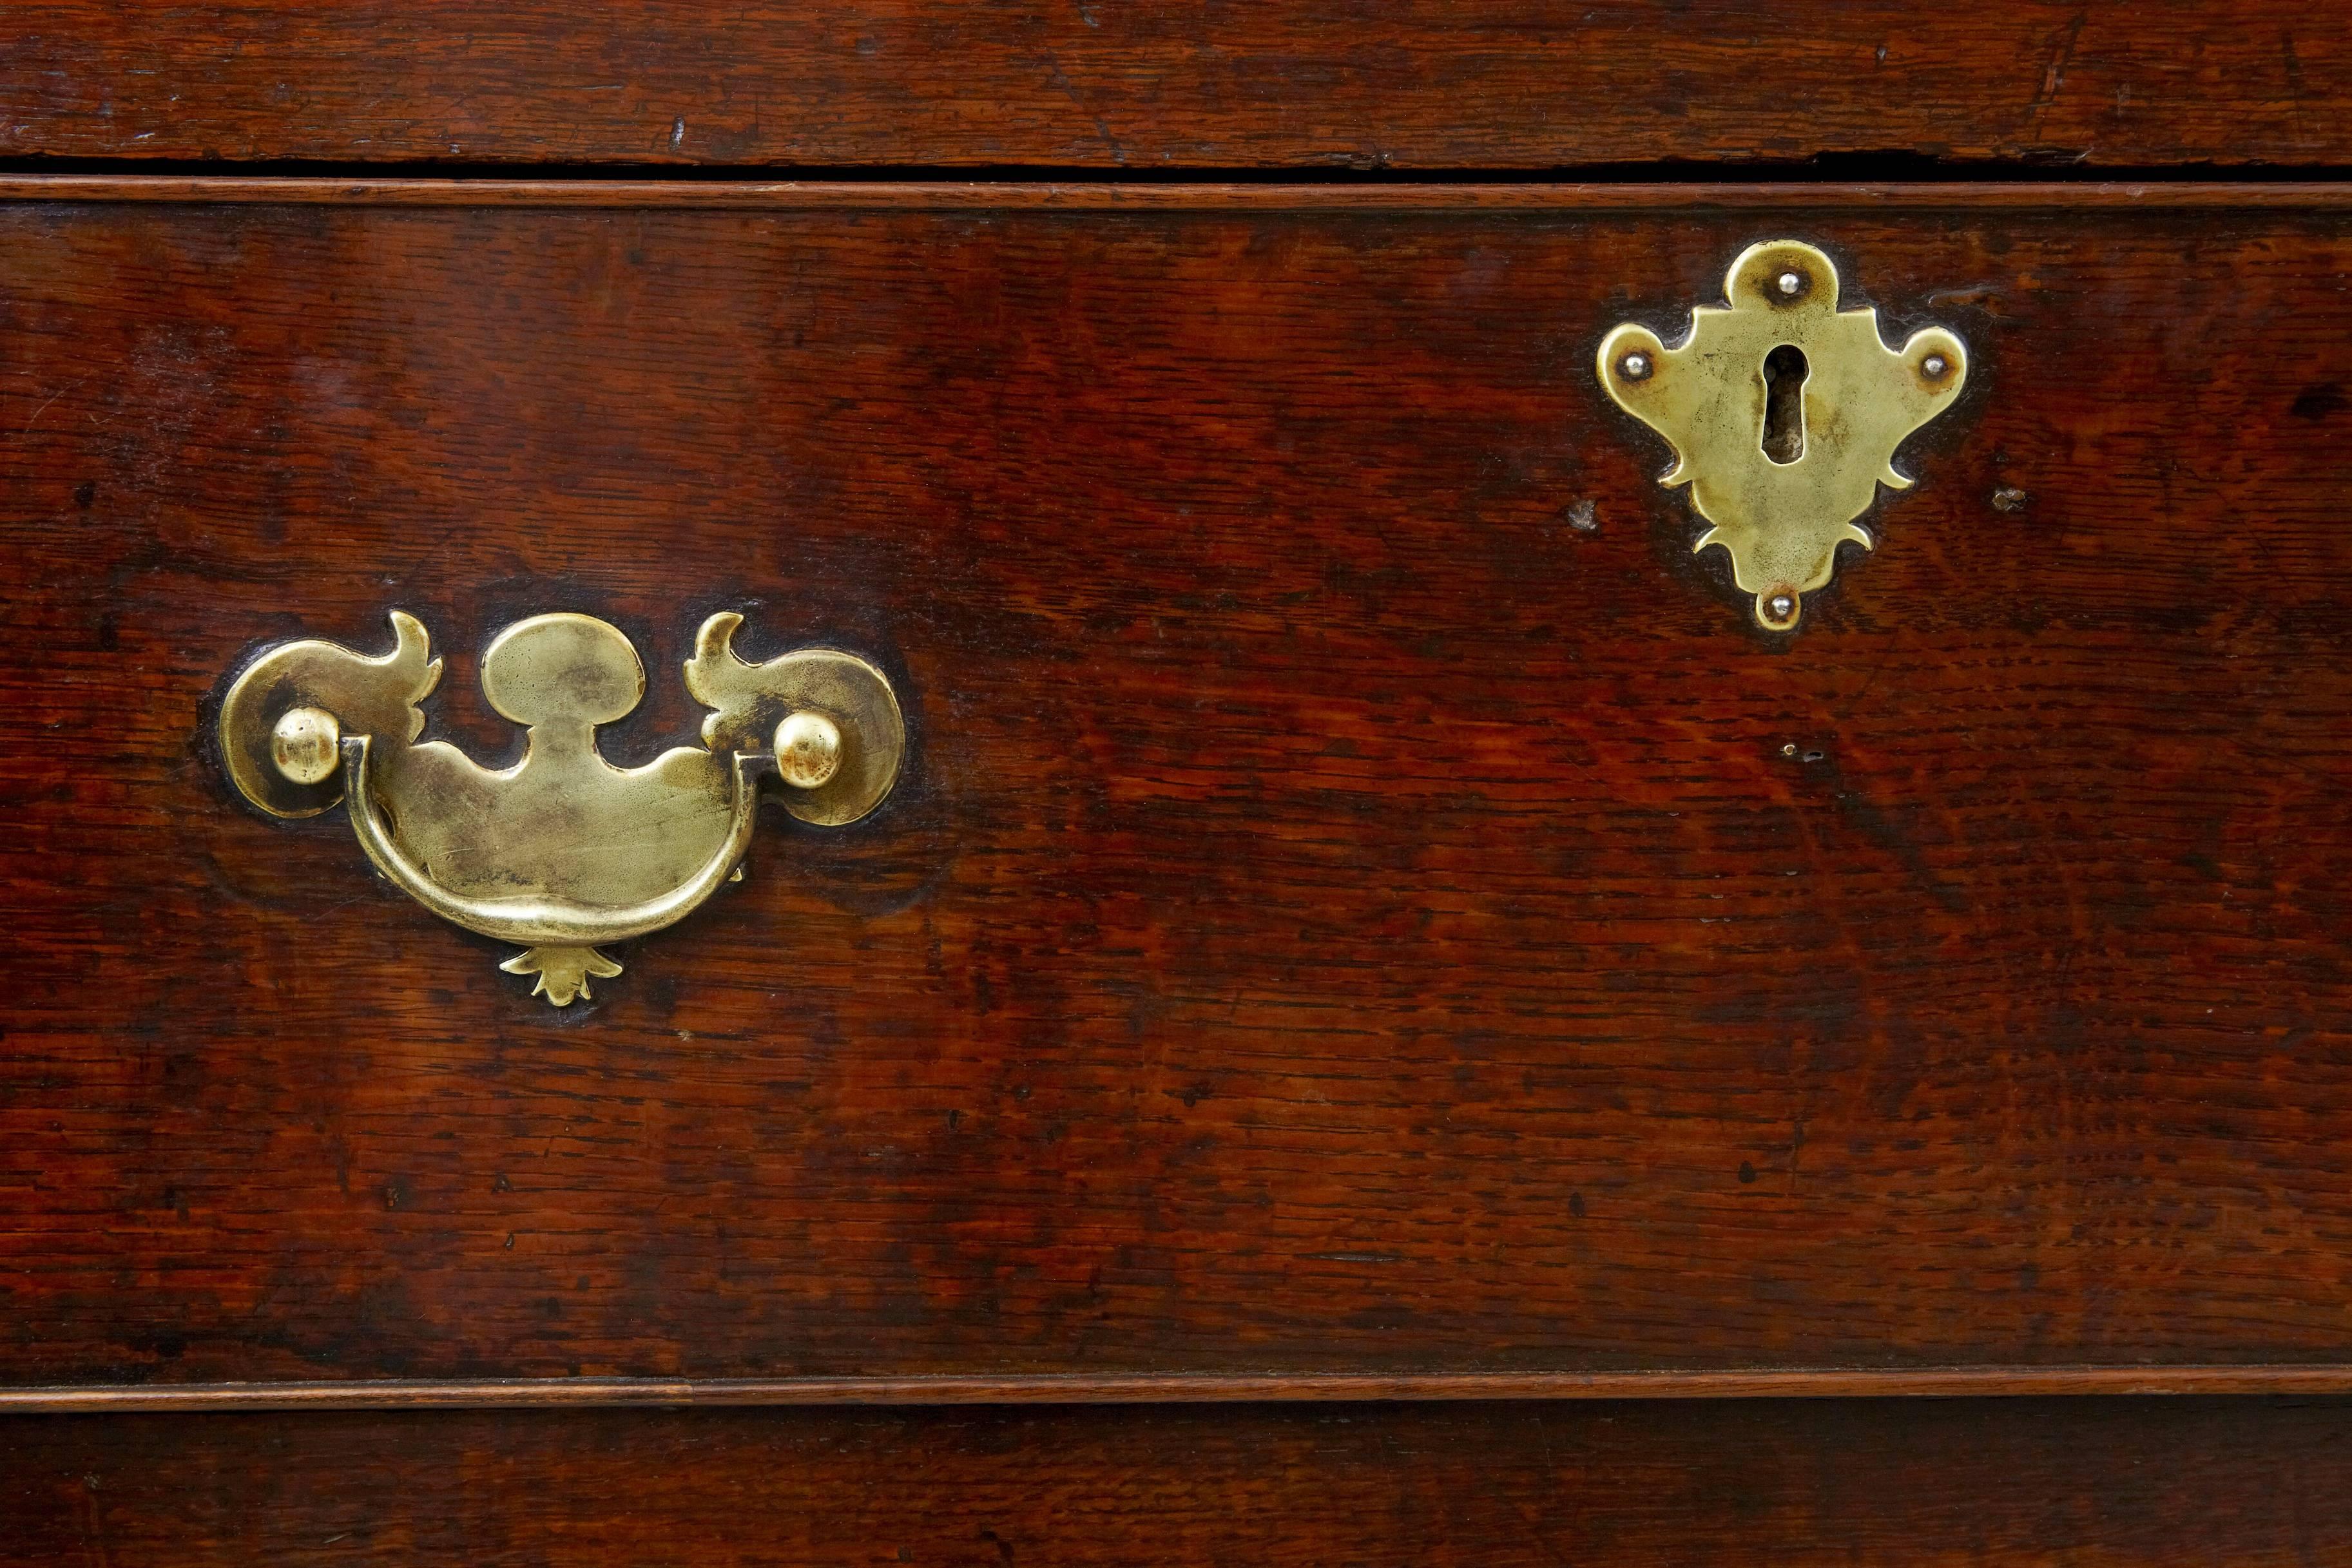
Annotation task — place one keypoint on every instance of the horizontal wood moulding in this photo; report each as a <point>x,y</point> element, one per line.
<point>953,195</point>
<point>2121,1483</point>
<point>1826,1383</point>
<point>1362,898</point>
<point>1151,84</point>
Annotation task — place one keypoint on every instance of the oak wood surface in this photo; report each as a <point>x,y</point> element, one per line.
<point>1894,1485</point>
<point>1340,915</point>
<point>1126,84</point>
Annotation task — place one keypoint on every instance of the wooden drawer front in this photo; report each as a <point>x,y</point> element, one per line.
<point>1338,914</point>
<point>1113,85</point>
<point>2170,1482</point>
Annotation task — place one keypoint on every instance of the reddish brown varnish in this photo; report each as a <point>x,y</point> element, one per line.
<point>1141,85</point>
<point>1340,917</point>
<point>2177,1483</point>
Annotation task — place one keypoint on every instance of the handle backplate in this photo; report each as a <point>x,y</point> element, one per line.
<point>562,853</point>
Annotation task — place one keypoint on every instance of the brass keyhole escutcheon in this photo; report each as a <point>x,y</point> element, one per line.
<point>1784,413</point>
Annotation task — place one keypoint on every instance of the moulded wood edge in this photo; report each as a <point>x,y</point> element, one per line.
<point>1185,1388</point>
<point>983,195</point>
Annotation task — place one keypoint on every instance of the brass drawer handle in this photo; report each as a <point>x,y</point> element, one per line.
<point>563,852</point>
<point>1784,413</point>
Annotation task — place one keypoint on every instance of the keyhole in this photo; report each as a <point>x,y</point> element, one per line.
<point>1784,403</point>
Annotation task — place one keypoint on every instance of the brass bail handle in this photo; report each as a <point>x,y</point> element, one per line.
<point>563,852</point>
<point>1784,413</point>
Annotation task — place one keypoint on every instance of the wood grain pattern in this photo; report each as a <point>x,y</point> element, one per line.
<point>1340,917</point>
<point>1122,84</point>
<point>2129,1484</point>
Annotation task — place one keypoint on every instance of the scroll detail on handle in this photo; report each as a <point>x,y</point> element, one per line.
<point>562,852</point>
<point>1784,413</point>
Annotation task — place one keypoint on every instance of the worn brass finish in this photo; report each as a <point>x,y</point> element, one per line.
<point>305,745</point>
<point>1781,518</point>
<point>562,853</point>
<point>808,750</point>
